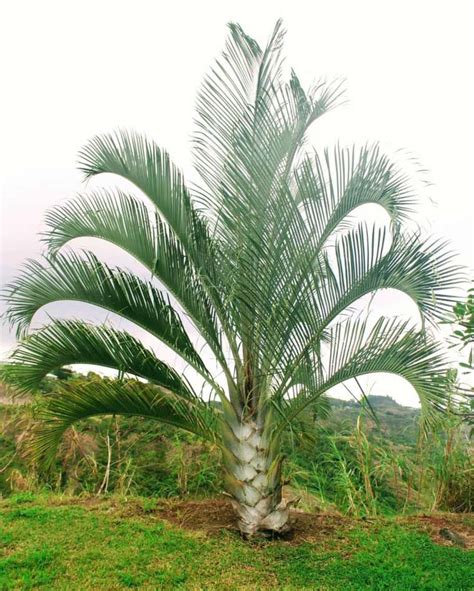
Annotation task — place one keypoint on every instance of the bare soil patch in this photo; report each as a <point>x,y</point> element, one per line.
<point>213,515</point>
<point>210,516</point>
<point>461,524</point>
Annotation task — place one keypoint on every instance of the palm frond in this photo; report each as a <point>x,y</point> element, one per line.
<point>70,342</point>
<point>115,216</point>
<point>330,187</point>
<point>368,259</point>
<point>125,221</point>
<point>390,346</point>
<point>74,278</point>
<point>130,398</point>
<point>140,161</point>
<point>362,261</point>
<point>245,103</point>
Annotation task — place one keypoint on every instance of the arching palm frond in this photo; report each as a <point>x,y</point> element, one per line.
<point>130,398</point>
<point>140,161</point>
<point>390,346</point>
<point>332,185</point>
<point>74,342</point>
<point>125,221</point>
<point>72,277</point>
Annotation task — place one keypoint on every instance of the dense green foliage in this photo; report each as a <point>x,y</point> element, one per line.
<point>464,321</point>
<point>49,544</point>
<point>463,340</point>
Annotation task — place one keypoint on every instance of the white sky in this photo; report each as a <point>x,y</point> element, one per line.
<point>74,69</point>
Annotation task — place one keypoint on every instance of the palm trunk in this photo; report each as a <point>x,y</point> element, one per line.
<point>253,478</point>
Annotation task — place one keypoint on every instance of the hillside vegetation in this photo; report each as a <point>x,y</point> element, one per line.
<point>354,459</point>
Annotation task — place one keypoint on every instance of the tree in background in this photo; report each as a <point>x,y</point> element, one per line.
<point>464,329</point>
<point>462,339</point>
<point>258,261</point>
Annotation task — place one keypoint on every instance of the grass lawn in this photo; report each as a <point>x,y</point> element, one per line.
<point>54,543</point>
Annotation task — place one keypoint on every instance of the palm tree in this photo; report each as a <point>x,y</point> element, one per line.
<point>259,260</point>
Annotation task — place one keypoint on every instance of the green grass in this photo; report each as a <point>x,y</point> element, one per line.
<point>44,545</point>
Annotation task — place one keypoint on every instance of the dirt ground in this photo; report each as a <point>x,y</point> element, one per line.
<point>461,524</point>
<point>210,516</point>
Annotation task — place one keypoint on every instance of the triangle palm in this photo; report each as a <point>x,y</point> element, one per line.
<point>262,261</point>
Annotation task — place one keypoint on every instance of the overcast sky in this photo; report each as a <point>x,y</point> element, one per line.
<point>74,69</point>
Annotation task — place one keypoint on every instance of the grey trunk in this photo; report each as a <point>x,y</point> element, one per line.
<point>253,479</point>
